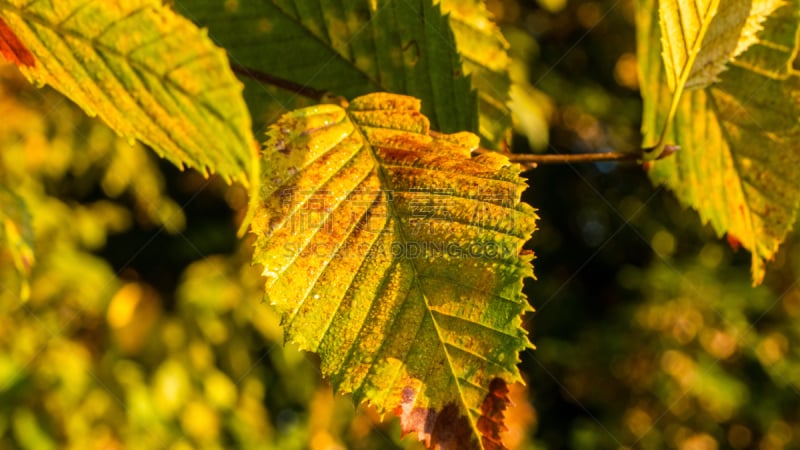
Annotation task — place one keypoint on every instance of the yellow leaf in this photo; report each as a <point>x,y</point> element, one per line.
<point>148,72</point>
<point>398,258</point>
<point>739,135</point>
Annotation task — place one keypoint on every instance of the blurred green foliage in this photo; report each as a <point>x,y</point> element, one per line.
<point>142,324</point>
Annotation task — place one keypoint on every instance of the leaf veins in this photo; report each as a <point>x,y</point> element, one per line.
<point>398,258</point>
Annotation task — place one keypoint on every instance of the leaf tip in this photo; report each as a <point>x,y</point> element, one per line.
<point>492,420</point>
<point>448,428</point>
<point>445,428</point>
<point>734,242</point>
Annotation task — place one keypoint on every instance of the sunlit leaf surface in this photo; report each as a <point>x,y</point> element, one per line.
<point>739,157</point>
<point>149,73</point>
<point>398,258</point>
<point>683,27</point>
<point>733,30</point>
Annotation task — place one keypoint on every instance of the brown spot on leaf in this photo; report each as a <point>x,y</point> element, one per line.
<point>448,429</point>
<point>13,49</point>
<point>492,420</point>
<point>668,151</point>
<point>281,146</point>
<point>443,430</point>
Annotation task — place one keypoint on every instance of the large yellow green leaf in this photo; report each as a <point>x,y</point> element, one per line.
<point>346,48</point>
<point>740,158</point>
<point>148,72</point>
<point>398,258</point>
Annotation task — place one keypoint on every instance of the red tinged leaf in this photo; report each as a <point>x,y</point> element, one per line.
<point>442,430</point>
<point>448,429</point>
<point>492,420</point>
<point>12,49</point>
<point>734,242</point>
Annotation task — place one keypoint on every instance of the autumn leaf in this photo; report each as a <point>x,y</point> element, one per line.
<point>12,49</point>
<point>398,258</point>
<point>345,48</point>
<point>146,71</point>
<point>738,132</point>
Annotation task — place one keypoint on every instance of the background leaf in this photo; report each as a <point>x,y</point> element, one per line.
<point>739,137</point>
<point>146,71</point>
<point>413,252</point>
<point>345,48</point>
<point>532,109</point>
<point>485,59</point>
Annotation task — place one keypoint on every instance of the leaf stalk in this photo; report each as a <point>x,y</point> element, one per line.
<point>533,160</point>
<point>291,86</point>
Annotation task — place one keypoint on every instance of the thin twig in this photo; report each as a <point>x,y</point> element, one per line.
<point>530,161</point>
<point>305,91</point>
<point>574,158</point>
<point>533,160</point>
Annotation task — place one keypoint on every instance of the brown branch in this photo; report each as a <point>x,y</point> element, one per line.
<point>531,161</point>
<point>305,91</point>
<point>574,158</point>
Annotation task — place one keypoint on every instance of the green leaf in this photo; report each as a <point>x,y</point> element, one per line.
<point>683,27</point>
<point>485,59</point>
<point>532,109</point>
<point>149,73</point>
<point>699,38</point>
<point>16,236</point>
<point>397,258</point>
<point>739,157</point>
<point>346,48</point>
<point>733,30</point>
